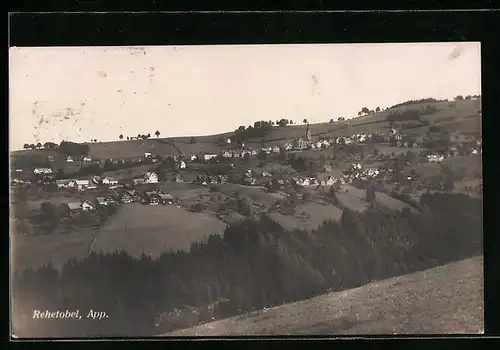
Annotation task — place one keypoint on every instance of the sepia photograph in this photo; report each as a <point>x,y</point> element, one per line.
<point>246,190</point>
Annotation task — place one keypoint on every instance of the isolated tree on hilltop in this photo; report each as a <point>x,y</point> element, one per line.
<point>38,145</point>
<point>304,121</point>
<point>377,109</point>
<point>128,138</point>
<point>331,120</point>
<point>157,133</point>
<point>148,135</point>
<point>121,136</point>
<point>290,122</point>
<point>365,110</point>
<point>282,122</point>
<point>26,146</point>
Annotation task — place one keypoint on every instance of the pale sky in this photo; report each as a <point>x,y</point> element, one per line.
<point>82,93</point>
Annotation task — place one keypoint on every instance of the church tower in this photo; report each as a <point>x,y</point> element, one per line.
<point>308,132</point>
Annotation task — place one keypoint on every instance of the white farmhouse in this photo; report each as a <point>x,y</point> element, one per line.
<point>151,178</point>
<point>109,181</point>
<point>434,158</point>
<point>38,171</point>
<point>88,205</point>
<point>209,156</point>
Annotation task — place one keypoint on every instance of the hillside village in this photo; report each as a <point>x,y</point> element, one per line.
<point>307,167</point>
<point>147,198</point>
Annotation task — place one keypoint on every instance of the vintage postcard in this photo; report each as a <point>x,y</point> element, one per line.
<point>246,190</point>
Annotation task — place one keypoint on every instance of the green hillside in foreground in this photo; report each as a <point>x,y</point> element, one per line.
<point>441,300</point>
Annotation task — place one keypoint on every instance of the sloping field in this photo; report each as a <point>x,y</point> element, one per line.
<point>472,165</point>
<point>352,202</point>
<point>152,230</point>
<point>443,300</point>
<point>385,149</point>
<point>137,148</point>
<point>354,199</point>
<point>253,193</point>
<point>36,251</point>
<point>466,166</point>
<point>319,213</point>
<point>291,222</point>
<point>392,203</point>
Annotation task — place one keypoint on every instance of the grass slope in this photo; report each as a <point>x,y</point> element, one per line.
<point>153,230</point>
<point>36,251</point>
<point>445,299</point>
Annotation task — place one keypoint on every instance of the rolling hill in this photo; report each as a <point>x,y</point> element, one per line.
<point>461,116</point>
<point>445,299</point>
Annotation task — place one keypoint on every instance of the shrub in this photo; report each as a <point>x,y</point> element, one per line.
<point>197,208</point>
<point>410,114</point>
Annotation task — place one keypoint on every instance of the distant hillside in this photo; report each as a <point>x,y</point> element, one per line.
<point>446,299</point>
<point>449,116</point>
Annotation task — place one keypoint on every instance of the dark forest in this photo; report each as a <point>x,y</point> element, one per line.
<point>254,264</point>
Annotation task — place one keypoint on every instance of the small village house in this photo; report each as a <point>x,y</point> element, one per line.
<point>82,182</point>
<point>139,181</point>
<point>326,180</point>
<point>106,200</point>
<point>46,180</point>
<point>178,178</point>
<point>182,165</point>
<point>276,149</point>
<point>266,173</point>
<point>227,154</point>
<point>148,155</point>
<point>228,140</point>
<point>62,183</point>
<point>87,205</point>
<point>87,159</point>
<point>434,158</point>
<point>38,171</point>
<point>209,156</point>
<point>74,208</point>
<point>129,196</point>
<point>69,159</point>
<point>300,144</point>
<point>193,157</point>
<point>109,181</point>
<point>157,197</point>
<point>151,178</point>
<point>16,182</point>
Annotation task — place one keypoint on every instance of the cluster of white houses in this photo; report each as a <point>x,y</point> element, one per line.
<point>120,196</point>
